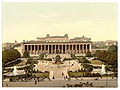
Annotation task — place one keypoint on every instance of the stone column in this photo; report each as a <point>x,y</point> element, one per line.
<point>72,49</point>
<point>30,49</point>
<point>23,48</point>
<point>38,49</point>
<point>55,49</point>
<point>41,48</point>
<point>34,49</point>
<point>90,48</point>
<point>68,48</point>
<point>44,48</point>
<point>76,48</point>
<point>82,48</point>
<point>65,48</point>
<point>59,49</point>
<point>51,49</point>
<point>48,49</point>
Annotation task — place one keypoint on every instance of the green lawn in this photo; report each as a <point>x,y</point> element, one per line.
<point>76,74</point>
<point>45,74</point>
<point>97,62</point>
<point>21,63</point>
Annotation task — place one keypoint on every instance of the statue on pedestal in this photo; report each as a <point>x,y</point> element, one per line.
<point>57,59</point>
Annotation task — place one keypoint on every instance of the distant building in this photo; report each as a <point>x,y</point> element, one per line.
<point>7,45</point>
<point>102,45</point>
<point>110,43</point>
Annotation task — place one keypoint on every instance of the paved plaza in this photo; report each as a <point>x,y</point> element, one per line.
<point>58,71</point>
<point>61,83</point>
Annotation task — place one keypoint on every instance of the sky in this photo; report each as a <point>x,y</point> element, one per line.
<point>29,20</point>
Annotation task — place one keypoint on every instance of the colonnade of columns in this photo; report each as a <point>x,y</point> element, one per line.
<point>56,49</point>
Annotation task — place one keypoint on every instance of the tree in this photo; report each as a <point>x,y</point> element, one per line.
<point>88,54</point>
<point>10,55</point>
<point>86,64</point>
<point>26,54</point>
<point>73,56</point>
<point>112,48</point>
<point>109,57</point>
<point>83,60</point>
<point>41,56</point>
<point>88,67</point>
<point>31,62</point>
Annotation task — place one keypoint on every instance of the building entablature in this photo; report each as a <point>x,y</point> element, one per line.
<point>69,42</point>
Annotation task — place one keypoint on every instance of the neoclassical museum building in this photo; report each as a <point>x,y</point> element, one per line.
<point>57,45</point>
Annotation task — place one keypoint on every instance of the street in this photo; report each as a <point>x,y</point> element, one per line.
<point>61,83</point>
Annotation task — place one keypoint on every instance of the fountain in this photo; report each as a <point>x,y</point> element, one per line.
<point>103,69</point>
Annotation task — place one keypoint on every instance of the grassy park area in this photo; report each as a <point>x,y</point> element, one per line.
<point>21,63</point>
<point>76,74</point>
<point>97,62</point>
<point>44,74</point>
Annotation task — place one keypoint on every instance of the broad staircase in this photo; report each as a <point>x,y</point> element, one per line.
<point>61,55</point>
<point>58,74</point>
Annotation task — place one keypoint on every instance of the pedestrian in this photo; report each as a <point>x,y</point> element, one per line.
<point>53,77</point>
<point>81,78</point>
<point>49,79</point>
<point>38,79</point>
<point>35,81</point>
<point>6,85</point>
<point>76,77</point>
<point>62,73</point>
<point>112,77</point>
<point>66,76</point>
